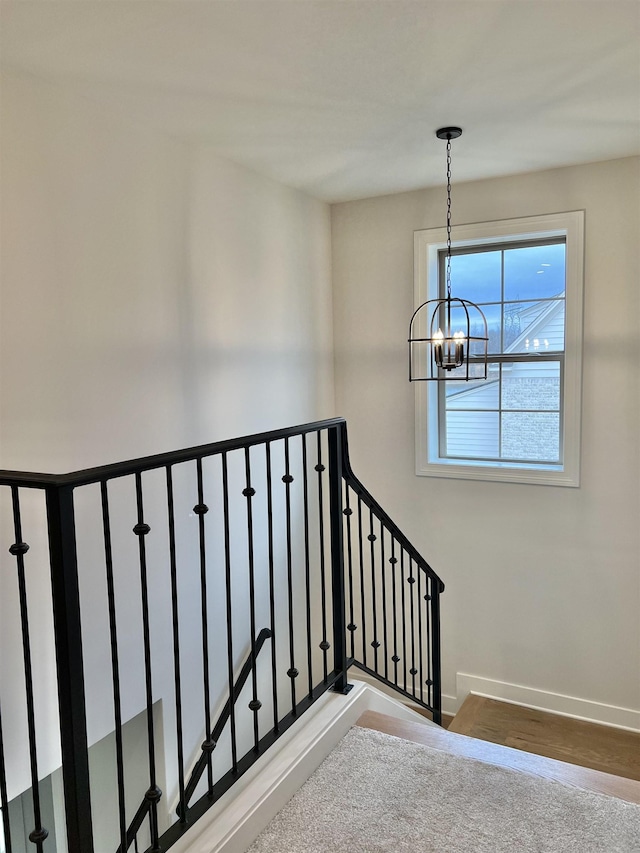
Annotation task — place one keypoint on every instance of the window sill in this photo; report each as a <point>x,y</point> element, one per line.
<point>501,473</point>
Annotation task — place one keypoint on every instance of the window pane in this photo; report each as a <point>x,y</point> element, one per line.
<point>472,434</point>
<point>473,395</point>
<point>534,326</point>
<point>531,436</point>
<point>534,272</point>
<point>531,385</point>
<point>476,276</point>
<point>493,316</point>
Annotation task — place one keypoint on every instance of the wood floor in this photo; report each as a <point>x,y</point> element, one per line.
<point>503,756</point>
<point>585,744</point>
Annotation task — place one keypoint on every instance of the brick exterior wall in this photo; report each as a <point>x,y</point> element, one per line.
<point>530,435</point>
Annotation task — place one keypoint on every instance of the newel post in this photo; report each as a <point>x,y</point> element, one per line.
<point>337,557</point>
<point>71,693</point>
<point>435,651</point>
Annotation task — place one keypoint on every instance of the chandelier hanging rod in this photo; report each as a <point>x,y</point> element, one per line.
<point>455,326</point>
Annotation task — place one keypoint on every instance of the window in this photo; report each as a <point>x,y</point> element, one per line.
<point>521,424</point>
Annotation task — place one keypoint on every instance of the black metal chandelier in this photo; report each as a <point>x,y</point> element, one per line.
<point>455,345</point>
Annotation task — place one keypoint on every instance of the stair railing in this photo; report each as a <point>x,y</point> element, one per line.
<point>393,600</point>
<point>267,529</point>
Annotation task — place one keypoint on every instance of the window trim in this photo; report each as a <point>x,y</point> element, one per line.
<point>427,245</point>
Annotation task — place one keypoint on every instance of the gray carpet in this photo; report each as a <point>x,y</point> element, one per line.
<point>376,793</point>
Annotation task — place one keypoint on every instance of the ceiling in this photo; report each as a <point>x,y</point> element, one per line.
<point>341,98</point>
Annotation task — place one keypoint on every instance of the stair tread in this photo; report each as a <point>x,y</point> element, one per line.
<point>503,756</point>
<point>588,744</point>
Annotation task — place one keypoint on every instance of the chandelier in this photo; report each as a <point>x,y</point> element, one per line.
<point>455,347</point>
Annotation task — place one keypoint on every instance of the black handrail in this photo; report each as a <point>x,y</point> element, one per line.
<point>210,743</point>
<point>87,476</point>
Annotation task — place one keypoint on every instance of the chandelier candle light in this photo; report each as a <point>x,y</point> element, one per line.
<point>438,356</point>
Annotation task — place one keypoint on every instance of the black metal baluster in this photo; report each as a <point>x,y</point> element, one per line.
<point>19,549</point>
<point>324,645</point>
<point>272,593</point>
<point>115,667</point>
<point>4,802</point>
<point>435,646</point>
<point>404,618</point>
<point>393,560</point>
<point>411,581</point>
<point>348,512</point>
<point>175,624</point>
<point>307,567</point>
<point>429,582</point>
<point>292,672</point>
<point>420,650</point>
<point>362,592</point>
<point>227,553</point>
<point>154,793</point>
<point>375,643</point>
<point>201,509</point>
<point>255,704</point>
<point>384,604</point>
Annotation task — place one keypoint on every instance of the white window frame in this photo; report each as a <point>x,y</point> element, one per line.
<point>427,245</point>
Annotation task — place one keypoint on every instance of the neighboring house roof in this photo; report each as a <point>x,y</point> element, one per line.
<point>547,325</point>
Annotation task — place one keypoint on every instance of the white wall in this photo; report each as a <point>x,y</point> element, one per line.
<point>153,297</point>
<point>543,583</point>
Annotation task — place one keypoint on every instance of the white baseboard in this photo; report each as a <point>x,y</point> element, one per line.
<point>236,820</point>
<point>542,700</point>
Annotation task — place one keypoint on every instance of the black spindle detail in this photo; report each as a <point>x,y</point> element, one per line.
<point>141,530</point>
<point>307,563</point>
<point>362,589</point>
<point>249,493</point>
<point>200,509</point>
<point>292,672</point>
<point>175,625</point>
<point>348,512</point>
<point>384,603</point>
<point>404,621</point>
<point>115,667</point>
<point>272,593</point>
<point>227,554</point>
<point>19,549</point>
<point>374,604</point>
<point>323,579</point>
<point>411,581</point>
<point>393,560</point>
